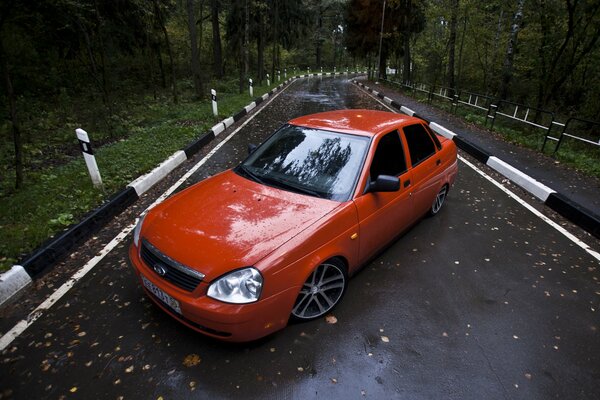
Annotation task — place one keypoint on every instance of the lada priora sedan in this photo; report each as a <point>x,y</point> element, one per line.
<point>239,254</point>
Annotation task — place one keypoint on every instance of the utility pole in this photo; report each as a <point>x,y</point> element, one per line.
<point>380,42</point>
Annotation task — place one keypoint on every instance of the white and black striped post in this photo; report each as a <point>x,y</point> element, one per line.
<point>268,81</point>
<point>278,76</point>
<point>88,156</point>
<point>213,97</point>
<point>334,70</point>
<point>250,88</point>
<point>307,70</point>
<point>285,73</point>
<point>321,70</point>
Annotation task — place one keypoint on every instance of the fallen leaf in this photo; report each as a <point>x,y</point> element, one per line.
<point>129,369</point>
<point>300,369</point>
<point>73,389</point>
<point>385,339</point>
<point>331,319</point>
<point>333,380</point>
<point>191,360</point>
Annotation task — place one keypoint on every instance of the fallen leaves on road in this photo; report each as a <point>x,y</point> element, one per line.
<point>191,360</point>
<point>385,339</point>
<point>331,319</point>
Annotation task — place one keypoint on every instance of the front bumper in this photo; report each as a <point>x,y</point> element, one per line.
<point>227,322</point>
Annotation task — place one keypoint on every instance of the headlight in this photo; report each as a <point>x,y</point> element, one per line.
<point>137,230</point>
<point>239,287</point>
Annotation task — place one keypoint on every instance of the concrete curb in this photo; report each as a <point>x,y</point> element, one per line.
<point>12,282</point>
<point>36,263</point>
<point>574,212</point>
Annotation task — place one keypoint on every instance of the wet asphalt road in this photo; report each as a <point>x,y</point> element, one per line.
<point>484,300</point>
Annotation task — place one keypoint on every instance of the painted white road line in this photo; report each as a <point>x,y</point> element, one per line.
<point>522,202</point>
<point>22,325</point>
<point>528,206</point>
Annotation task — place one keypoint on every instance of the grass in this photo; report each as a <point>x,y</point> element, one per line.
<point>578,155</point>
<point>58,189</point>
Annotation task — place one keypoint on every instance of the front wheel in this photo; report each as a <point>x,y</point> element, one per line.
<point>322,290</point>
<point>439,200</point>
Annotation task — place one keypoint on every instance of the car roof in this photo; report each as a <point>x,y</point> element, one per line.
<point>359,122</point>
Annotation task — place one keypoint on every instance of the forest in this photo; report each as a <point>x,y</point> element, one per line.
<point>138,74</point>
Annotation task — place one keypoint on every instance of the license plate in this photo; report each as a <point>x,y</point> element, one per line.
<point>165,298</point>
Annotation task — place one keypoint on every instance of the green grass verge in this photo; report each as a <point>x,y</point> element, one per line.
<point>57,196</point>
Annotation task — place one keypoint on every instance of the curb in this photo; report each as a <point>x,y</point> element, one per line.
<point>574,212</point>
<point>37,262</point>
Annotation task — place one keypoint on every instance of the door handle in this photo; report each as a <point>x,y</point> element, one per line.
<point>407,183</point>
<point>438,162</point>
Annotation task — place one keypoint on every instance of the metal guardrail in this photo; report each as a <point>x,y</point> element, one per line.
<point>579,129</point>
<point>532,116</point>
<point>575,128</point>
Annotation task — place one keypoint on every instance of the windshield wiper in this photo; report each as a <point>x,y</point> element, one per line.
<point>284,184</point>
<point>246,171</point>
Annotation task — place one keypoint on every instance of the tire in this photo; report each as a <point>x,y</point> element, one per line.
<point>438,202</point>
<point>322,291</point>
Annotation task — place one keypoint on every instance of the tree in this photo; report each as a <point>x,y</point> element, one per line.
<point>216,36</point>
<point>160,20</point>
<point>11,99</point>
<point>452,42</point>
<point>507,68</point>
<point>195,56</point>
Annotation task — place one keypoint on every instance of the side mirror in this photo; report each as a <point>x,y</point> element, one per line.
<point>251,148</point>
<point>384,183</point>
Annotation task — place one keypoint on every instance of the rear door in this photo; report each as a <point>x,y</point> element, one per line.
<point>382,216</point>
<point>425,165</point>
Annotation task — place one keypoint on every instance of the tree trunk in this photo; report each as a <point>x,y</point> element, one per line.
<point>275,38</point>
<point>246,39</point>
<point>217,51</point>
<point>16,128</point>
<point>198,90</point>
<point>460,51</point>
<point>260,46</point>
<point>161,65</point>
<point>452,45</point>
<point>163,28</point>
<point>406,73</point>
<point>318,34</point>
<point>507,68</point>
<point>406,69</point>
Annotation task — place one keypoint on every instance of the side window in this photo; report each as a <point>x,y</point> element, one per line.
<point>389,157</point>
<point>434,137</point>
<point>420,145</point>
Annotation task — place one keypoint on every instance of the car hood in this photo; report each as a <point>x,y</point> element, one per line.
<point>228,222</point>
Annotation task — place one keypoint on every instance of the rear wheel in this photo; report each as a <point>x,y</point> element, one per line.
<point>439,200</point>
<point>322,291</point>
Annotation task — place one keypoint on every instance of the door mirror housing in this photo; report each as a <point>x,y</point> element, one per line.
<point>384,183</point>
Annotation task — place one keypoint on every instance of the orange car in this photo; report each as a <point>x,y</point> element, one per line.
<point>238,254</point>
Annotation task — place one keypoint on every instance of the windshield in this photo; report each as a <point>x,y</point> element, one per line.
<point>310,161</point>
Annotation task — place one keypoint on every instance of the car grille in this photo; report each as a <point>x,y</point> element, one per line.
<point>169,269</point>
